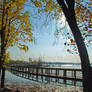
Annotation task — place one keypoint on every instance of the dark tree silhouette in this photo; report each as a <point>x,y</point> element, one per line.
<point>69,12</point>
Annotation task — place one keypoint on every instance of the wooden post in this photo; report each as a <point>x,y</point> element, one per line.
<point>11,69</point>
<point>42,74</point>
<point>22,71</point>
<point>32,72</point>
<point>28,72</point>
<point>72,75</point>
<point>48,74</point>
<point>17,71</point>
<point>37,74</point>
<point>51,74</point>
<point>64,74</point>
<point>56,75</point>
<point>75,77</point>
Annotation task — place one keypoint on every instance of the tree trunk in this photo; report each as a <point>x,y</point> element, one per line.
<point>3,49</point>
<point>3,52</point>
<point>3,78</point>
<point>68,10</point>
<point>85,65</point>
<point>0,66</point>
<point>0,70</point>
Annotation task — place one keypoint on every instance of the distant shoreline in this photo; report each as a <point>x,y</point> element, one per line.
<point>61,63</point>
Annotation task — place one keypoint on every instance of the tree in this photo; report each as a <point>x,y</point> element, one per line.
<point>85,15</point>
<point>15,29</point>
<point>68,9</point>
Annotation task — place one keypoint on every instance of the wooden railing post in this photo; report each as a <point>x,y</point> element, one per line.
<point>28,72</point>
<point>36,73</point>
<point>56,75</point>
<point>22,71</point>
<point>42,74</point>
<point>74,77</point>
<point>64,74</point>
<point>48,74</point>
<point>17,71</point>
<point>51,74</point>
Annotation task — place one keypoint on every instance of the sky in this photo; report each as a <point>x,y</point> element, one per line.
<point>46,45</point>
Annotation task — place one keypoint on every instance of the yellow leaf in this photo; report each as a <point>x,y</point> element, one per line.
<point>59,10</point>
<point>90,16</point>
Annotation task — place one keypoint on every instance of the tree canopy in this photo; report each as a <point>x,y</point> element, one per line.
<point>15,26</point>
<point>83,11</point>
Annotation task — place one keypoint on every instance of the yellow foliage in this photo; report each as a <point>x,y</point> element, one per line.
<point>77,11</point>
<point>38,3</point>
<point>90,3</point>
<point>23,47</point>
<point>59,10</point>
<point>16,25</point>
<point>87,12</point>
<point>4,66</point>
<point>90,16</point>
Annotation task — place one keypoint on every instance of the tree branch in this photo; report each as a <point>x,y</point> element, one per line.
<point>70,4</point>
<point>62,4</point>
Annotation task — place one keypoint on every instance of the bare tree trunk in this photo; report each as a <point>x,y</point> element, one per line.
<point>0,66</point>
<point>0,70</point>
<point>3,52</point>
<point>85,65</point>
<point>3,78</point>
<point>68,10</point>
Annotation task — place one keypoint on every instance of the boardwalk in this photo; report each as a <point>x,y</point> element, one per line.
<point>46,74</point>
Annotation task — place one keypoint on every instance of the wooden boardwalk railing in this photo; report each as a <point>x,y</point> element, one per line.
<point>46,74</point>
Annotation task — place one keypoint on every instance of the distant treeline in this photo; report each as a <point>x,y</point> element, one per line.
<point>12,62</point>
<point>20,62</point>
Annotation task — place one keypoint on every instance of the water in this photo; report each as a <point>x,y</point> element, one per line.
<point>70,66</point>
<point>13,79</point>
<point>10,79</point>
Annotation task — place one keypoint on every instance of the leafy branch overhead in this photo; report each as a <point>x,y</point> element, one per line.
<point>83,14</point>
<point>16,23</point>
<point>15,26</point>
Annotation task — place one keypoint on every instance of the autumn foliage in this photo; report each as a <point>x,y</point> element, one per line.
<point>15,26</point>
<point>83,11</point>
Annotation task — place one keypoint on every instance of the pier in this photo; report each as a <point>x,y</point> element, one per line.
<point>46,74</point>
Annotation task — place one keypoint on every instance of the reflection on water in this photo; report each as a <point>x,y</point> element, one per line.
<point>10,79</point>
<point>14,78</point>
